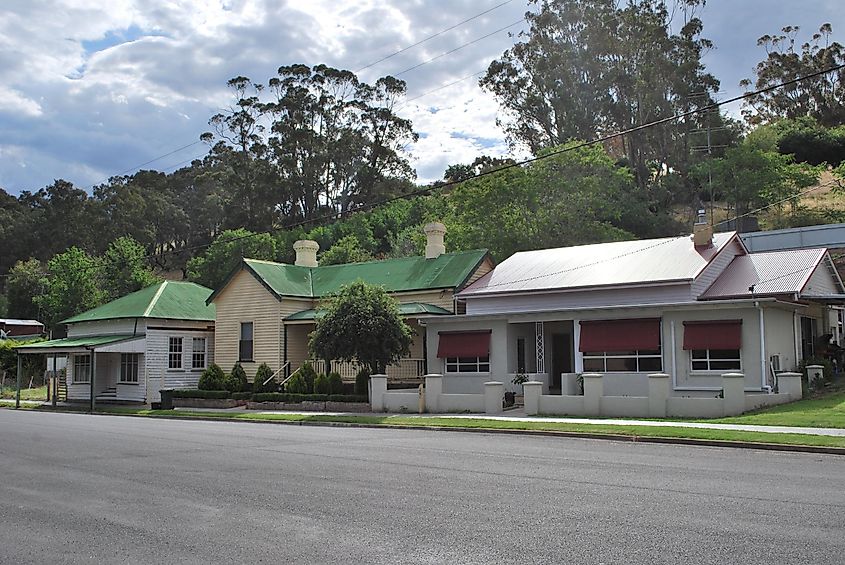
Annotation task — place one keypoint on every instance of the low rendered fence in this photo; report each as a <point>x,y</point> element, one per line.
<point>431,398</point>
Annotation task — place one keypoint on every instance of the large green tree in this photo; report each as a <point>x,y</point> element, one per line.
<point>592,67</point>
<point>26,281</point>
<point>212,266</point>
<point>72,286</point>
<point>821,97</point>
<point>362,323</point>
<point>125,268</point>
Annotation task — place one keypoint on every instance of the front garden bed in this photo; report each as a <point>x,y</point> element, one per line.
<point>193,398</point>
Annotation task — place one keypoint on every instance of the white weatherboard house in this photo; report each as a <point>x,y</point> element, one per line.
<point>127,350</point>
<point>692,307</point>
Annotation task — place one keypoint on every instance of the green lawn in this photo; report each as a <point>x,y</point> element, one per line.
<point>827,411</point>
<point>481,423</point>
<point>38,393</point>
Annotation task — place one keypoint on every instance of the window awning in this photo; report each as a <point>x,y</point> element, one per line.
<point>641,334</point>
<point>713,334</point>
<point>464,344</point>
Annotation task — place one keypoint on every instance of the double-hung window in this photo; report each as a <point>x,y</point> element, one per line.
<point>81,368</point>
<point>465,352</point>
<point>174,355</point>
<point>198,353</point>
<point>129,368</point>
<point>245,344</point>
<point>621,346</point>
<point>714,345</point>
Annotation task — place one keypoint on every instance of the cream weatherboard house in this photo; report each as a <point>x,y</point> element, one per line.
<point>127,350</point>
<point>692,307</point>
<point>266,310</point>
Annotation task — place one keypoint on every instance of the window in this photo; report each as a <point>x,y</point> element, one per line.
<point>198,353</point>
<point>715,360</point>
<point>129,368</point>
<point>245,343</point>
<point>468,364</point>
<point>81,368</point>
<point>174,357</point>
<point>635,361</point>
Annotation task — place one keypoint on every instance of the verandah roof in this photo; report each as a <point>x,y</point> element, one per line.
<point>74,344</point>
<point>409,309</point>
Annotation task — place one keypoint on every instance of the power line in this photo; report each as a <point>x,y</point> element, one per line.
<point>430,37</point>
<point>130,169</point>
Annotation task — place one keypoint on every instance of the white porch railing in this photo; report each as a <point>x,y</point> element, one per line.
<point>402,370</point>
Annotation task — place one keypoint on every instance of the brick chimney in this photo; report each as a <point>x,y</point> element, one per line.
<point>306,252</point>
<point>702,231</point>
<point>434,246</point>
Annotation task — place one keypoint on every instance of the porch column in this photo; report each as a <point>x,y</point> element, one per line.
<point>55,380</point>
<point>18,393</point>
<point>93,376</point>
<point>540,338</point>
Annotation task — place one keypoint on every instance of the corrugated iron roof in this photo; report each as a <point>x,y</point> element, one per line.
<point>603,264</point>
<point>76,342</point>
<point>175,300</point>
<point>770,273</point>
<point>409,309</point>
<point>449,270</point>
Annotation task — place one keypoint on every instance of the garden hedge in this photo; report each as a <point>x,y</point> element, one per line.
<point>196,393</point>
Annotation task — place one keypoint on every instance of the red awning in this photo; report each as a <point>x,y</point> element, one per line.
<point>464,344</point>
<point>620,335</point>
<point>713,334</point>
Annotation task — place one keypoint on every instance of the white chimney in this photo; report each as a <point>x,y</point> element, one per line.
<point>702,231</point>
<point>306,252</point>
<point>434,246</point>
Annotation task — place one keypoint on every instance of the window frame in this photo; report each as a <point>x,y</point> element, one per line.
<point>457,365</point>
<point>133,361</point>
<point>172,354</point>
<point>241,342</point>
<point>195,353</point>
<point>709,360</point>
<point>77,361</point>
<point>636,355</point>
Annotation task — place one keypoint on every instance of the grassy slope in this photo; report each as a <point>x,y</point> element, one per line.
<point>38,393</point>
<point>826,411</point>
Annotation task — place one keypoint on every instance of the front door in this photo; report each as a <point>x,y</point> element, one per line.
<point>561,358</point>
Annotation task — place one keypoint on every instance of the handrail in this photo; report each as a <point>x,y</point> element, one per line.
<point>273,376</point>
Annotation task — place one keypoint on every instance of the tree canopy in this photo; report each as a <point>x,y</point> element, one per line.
<point>362,323</point>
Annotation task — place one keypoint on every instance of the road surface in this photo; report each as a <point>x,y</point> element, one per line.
<point>76,488</point>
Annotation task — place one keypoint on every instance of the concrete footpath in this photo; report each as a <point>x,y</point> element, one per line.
<point>519,416</point>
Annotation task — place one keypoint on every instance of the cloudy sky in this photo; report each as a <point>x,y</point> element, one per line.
<point>90,89</point>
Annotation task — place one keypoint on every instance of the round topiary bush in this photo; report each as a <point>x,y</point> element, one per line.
<point>236,380</point>
<point>362,382</point>
<point>335,383</point>
<point>263,373</point>
<point>321,384</point>
<point>212,378</point>
<point>297,384</point>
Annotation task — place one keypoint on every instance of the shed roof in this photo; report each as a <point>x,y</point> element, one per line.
<point>174,300</point>
<point>618,263</point>
<point>769,273</point>
<point>449,270</point>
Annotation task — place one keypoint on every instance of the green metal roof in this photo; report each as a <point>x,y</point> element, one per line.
<point>76,342</point>
<point>409,309</point>
<point>450,270</point>
<point>175,300</point>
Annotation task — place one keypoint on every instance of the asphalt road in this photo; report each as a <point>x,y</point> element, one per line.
<point>103,489</point>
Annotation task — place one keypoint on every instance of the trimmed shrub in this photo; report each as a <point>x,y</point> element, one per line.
<point>212,379</point>
<point>321,384</point>
<point>243,395</point>
<point>362,382</point>
<point>348,398</point>
<point>196,393</point>
<point>296,384</point>
<point>236,380</point>
<point>309,374</point>
<point>288,397</point>
<point>335,383</point>
<point>263,373</point>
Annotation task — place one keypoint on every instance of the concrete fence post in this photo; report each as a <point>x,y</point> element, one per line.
<point>814,373</point>
<point>658,394</point>
<point>790,383</point>
<point>378,388</point>
<point>531,391</point>
<point>593,391</point>
<point>733,389</point>
<point>494,397</point>
<point>433,390</point>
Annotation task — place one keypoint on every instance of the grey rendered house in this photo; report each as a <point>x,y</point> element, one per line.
<point>693,307</point>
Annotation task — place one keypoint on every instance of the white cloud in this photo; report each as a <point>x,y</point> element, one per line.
<point>13,101</point>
